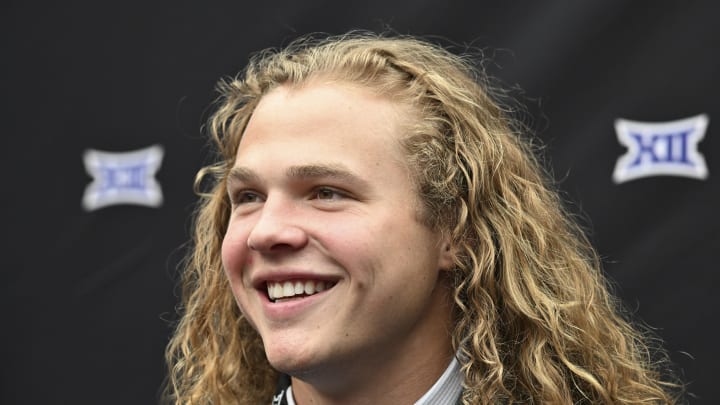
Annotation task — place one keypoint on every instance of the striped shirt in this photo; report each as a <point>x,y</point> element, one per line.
<point>446,390</point>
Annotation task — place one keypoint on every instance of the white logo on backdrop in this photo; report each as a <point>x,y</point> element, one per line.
<point>123,178</point>
<point>661,148</point>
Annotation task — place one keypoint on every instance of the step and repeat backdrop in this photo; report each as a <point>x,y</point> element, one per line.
<point>103,107</point>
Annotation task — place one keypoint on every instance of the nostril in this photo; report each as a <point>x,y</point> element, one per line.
<point>276,236</point>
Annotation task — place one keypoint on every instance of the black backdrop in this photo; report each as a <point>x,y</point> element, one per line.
<point>89,294</point>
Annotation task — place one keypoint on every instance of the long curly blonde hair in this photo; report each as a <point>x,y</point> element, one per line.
<point>534,320</point>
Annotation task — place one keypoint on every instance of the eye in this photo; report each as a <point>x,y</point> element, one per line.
<point>246,197</point>
<point>327,194</point>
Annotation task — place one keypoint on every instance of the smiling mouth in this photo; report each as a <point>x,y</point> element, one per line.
<point>281,291</point>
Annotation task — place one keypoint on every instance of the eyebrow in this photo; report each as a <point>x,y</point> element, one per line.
<point>242,175</point>
<point>337,172</point>
<point>315,171</point>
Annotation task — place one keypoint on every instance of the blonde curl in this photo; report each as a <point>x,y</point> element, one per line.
<point>535,321</point>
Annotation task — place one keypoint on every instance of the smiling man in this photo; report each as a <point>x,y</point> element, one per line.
<point>324,250</point>
<point>378,233</point>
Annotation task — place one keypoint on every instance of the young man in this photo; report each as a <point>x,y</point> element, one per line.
<point>377,233</point>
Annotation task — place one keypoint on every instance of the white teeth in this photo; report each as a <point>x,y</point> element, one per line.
<point>309,287</point>
<point>287,289</point>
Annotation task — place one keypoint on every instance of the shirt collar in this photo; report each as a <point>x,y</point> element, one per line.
<point>445,391</point>
<point>447,388</point>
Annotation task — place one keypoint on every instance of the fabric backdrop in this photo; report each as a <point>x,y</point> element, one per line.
<point>91,293</point>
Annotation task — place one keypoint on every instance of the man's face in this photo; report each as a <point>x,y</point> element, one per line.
<point>325,216</point>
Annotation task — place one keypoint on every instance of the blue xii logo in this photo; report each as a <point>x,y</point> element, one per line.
<point>661,148</point>
<point>123,178</point>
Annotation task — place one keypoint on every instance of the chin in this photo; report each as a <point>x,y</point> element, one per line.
<point>291,360</point>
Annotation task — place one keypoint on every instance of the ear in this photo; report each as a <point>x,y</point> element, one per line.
<point>447,254</point>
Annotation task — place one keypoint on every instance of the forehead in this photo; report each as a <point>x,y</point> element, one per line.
<point>336,113</point>
<point>326,126</point>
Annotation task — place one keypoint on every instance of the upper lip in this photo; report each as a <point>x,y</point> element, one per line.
<point>261,278</point>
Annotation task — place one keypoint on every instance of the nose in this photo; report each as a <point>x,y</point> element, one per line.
<point>278,228</point>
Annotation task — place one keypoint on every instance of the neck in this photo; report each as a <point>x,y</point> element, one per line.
<point>401,376</point>
<point>403,383</point>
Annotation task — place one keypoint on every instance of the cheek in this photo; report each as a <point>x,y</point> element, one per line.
<point>349,239</point>
<point>234,254</point>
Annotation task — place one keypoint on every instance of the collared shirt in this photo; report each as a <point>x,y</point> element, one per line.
<point>446,390</point>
